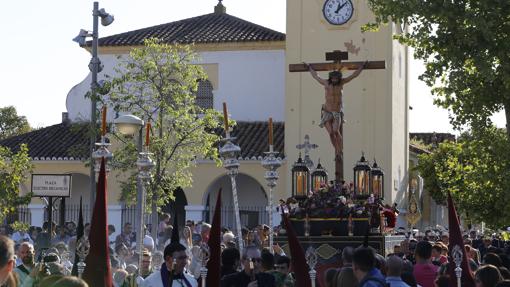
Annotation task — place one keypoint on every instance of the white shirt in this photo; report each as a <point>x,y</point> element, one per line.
<point>154,280</point>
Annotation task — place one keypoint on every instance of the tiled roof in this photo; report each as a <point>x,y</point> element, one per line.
<point>70,142</point>
<point>417,150</point>
<point>57,142</point>
<point>209,28</point>
<point>252,137</point>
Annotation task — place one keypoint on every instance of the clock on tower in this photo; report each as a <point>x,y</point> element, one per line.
<point>338,12</point>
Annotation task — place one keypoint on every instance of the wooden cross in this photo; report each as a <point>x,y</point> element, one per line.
<point>337,56</point>
<point>337,63</point>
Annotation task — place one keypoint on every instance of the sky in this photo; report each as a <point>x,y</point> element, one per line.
<point>40,62</point>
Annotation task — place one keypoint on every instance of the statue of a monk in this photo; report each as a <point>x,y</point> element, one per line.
<point>332,113</point>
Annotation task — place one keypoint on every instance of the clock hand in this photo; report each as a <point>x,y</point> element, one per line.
<point>340,7</point>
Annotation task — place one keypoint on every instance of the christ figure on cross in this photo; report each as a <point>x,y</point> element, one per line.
<point>332,112</point>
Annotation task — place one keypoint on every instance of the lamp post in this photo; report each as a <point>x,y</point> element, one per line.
<point>95,67</point>
<point>129,125</point>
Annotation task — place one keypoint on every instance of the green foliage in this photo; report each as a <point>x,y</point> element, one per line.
<point>465,46</point>
<point>14,169</point>
<point>11,124</point>
<point>158,83</point>
<point>419,143</point>
<point>475,170</point>
<point>20,226</point>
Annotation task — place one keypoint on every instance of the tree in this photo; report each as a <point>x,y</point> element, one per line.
<point>158,83</point>
<point>466,48</point>
<point>474,170</point>
<point>11,124</point>
<point>14,169</point>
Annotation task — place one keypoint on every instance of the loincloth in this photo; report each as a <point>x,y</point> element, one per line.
<point>327,116</point>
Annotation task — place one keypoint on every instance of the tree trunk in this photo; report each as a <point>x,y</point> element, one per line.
<point>507,118</point>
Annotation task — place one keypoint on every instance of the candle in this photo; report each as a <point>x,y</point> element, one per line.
<point>375,187</point>
<point>225,116</point>
<point>317,184</point>
<point>270,131</point>
<point>147,134</point>
<point>103,122</point>
<point>299,184</point>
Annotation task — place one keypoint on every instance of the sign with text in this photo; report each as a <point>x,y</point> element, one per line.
<point>57,185</point>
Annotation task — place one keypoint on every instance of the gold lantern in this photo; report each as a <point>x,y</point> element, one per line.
<point>362,178</point>
<point>300,179</point>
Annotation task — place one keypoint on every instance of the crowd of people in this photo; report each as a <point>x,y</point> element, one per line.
<point>38,258</point>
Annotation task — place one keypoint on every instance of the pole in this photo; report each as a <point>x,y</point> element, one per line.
<point>140,206</point>
<point>311,260</point>
<point>62,211</point>
<point>94,64</point>
<point>271,164</point>
<point>236,211</point>
<point>271,236</point>
<point>50,215</point>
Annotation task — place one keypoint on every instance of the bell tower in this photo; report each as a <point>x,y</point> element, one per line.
<point>375,103</point>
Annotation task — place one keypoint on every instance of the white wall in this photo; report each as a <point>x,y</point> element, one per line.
<point>251,82</point>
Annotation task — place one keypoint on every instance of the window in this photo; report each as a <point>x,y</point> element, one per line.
<point>204,98</point>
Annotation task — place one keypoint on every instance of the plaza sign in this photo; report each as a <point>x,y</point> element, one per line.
<point>57,185</point>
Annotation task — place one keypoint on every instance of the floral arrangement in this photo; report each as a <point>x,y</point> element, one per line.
<point>339,202</point>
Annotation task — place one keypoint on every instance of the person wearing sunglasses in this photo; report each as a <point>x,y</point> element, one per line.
<point>251,275</point>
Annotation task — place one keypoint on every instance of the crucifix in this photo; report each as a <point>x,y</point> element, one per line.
<point>332,115</point>
<point>307,147</point>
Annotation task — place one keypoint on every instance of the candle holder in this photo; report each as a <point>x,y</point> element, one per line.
<point>82,250</point>
<point>271,163</point>
<point>144,165</point>
<point>229,152</point>
<point>100,152</point>
<point>311,260</point>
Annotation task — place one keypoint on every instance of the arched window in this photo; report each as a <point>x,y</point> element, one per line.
<point>204,98</point>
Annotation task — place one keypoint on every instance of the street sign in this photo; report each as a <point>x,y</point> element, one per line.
<point>57,185</point>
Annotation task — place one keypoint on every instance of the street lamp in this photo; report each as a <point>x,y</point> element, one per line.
<point>95,67</point>
<point>128,125</point>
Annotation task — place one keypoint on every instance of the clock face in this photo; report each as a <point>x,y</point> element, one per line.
<point>338,12</point>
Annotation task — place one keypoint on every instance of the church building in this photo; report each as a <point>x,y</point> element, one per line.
<point>248,68</point>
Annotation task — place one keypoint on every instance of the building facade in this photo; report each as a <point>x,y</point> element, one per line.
<point>247,67</point>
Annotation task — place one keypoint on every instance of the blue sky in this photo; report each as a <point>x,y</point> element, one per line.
<point>40,62</point>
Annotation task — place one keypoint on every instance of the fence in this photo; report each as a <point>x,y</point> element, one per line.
<point>22,214</point>
<point>71,213</point>
<point>251,216</point>
<point>129,214</point>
